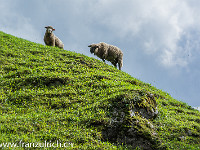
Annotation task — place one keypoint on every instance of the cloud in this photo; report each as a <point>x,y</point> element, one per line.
<point>158,26</point>
<point>16,24</point>
<point>198,108</point>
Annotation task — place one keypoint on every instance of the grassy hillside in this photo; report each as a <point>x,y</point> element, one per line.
<point>54,96</point>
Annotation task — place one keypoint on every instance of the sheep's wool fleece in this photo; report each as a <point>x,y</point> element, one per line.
<point>110,51</point>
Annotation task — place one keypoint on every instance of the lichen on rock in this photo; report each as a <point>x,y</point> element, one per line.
<point>130,120</point>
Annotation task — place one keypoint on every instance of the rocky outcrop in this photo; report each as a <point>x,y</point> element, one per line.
<point>130,121</point>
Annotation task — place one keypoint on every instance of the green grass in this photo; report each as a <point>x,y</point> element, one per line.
<point>54,95</point>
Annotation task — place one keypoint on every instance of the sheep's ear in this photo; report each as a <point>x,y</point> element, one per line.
<point>53,29</point>
<point>90,46</point>
<point>46,27</point>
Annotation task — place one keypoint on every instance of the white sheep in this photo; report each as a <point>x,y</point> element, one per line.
<point>108,52</point>
<point>51,40</point>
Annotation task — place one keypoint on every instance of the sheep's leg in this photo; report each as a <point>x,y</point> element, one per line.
<point>114,63</point>
<point>45,42</point>
<point>120,64</point>
<point>54,43</point>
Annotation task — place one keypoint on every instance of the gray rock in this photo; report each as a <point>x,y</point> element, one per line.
<point>128,117</point>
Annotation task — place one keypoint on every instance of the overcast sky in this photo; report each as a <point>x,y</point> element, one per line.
<point>160,38</point>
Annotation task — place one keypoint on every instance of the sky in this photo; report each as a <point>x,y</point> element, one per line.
<point>160,39</point>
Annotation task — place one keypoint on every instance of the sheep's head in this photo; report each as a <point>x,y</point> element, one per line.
<point>93,48</point>
<point>49,29</point>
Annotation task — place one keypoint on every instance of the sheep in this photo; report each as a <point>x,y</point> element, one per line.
<point>108,52</point>
<point>51,40</point>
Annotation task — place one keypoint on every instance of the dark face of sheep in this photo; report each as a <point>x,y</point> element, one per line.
<point>49,29</point>
<point>93,48</point>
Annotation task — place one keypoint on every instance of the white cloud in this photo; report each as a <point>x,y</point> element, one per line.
<point>16,24</point>
<point>157,25</point>
<point>198,108</point>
